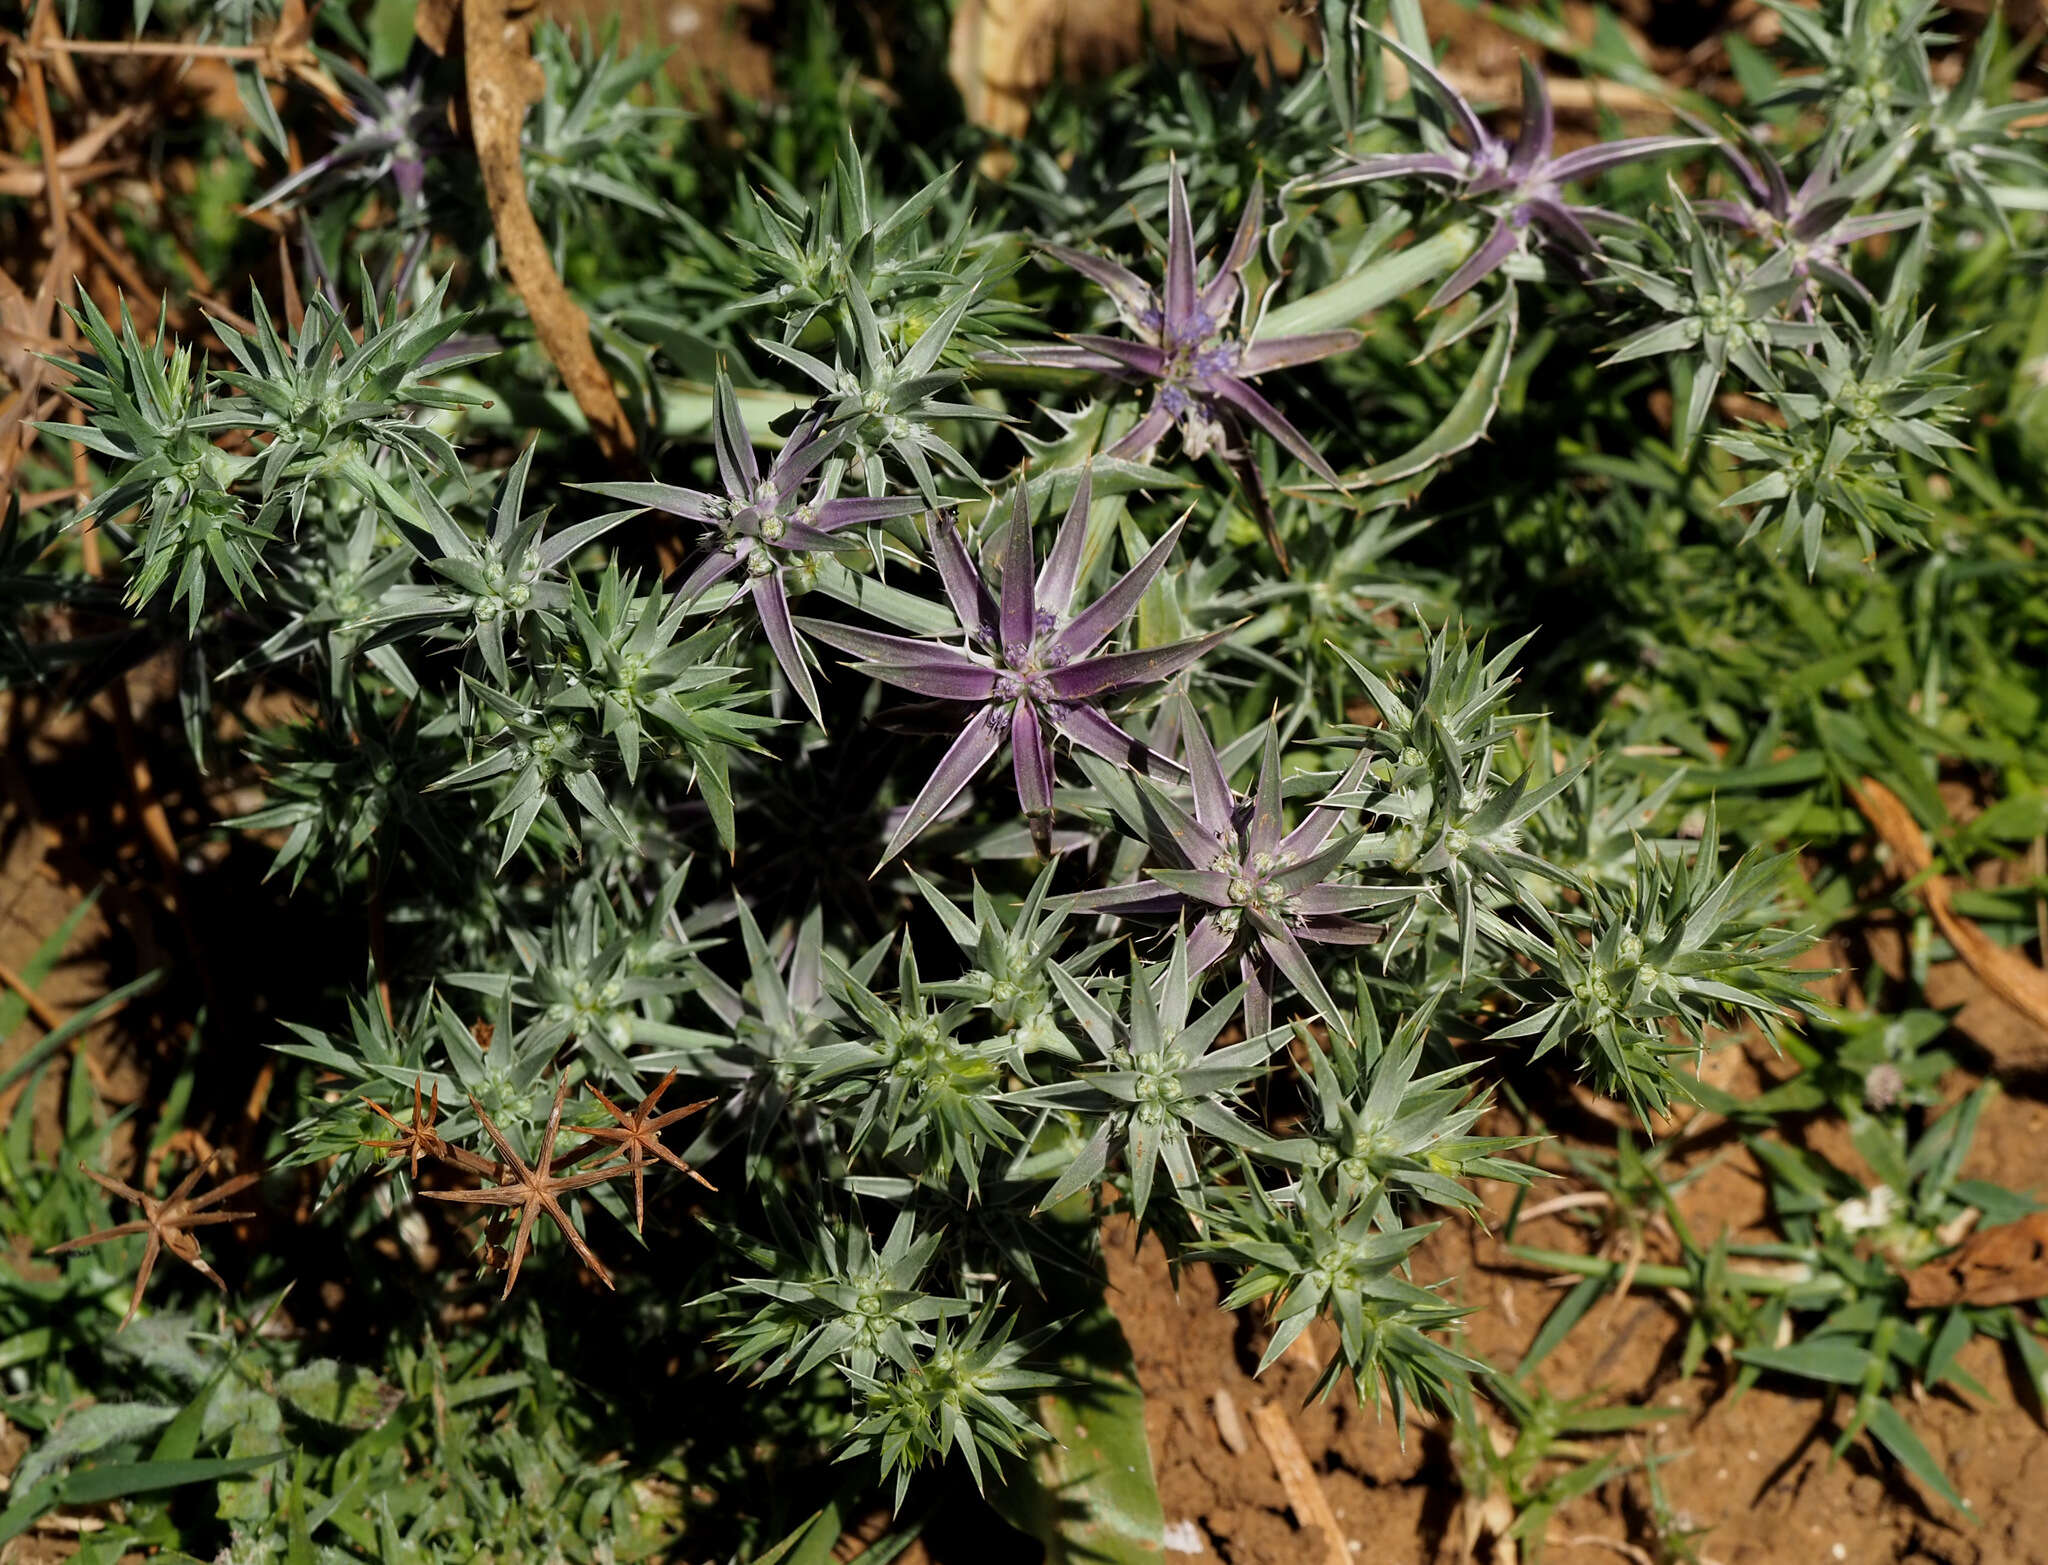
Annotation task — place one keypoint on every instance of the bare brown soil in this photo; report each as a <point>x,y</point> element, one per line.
<point>1754,1471</point>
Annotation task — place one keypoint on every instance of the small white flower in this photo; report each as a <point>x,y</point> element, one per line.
<point>1864,1212</point>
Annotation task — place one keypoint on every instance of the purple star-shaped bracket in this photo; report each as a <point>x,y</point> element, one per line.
<point>1029,668</point>
<point>1813,223</point>
<point>1521,183</point>
<point>1183,342</point>
<point>760,525</point>
<point>1247,887</point>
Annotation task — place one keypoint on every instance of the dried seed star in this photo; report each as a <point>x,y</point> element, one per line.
<point>166,1222</point>
<point>639,1133</point>
<point>416,1140</point>
<point>534,1190</point>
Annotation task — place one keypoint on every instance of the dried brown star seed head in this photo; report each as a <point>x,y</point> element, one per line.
<point>167,1222</point>
<point>417,1139</point>
<point>534,1190</point>
<point>639,1133</point>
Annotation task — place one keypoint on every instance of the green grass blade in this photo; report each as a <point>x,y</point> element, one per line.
<point>1897,1437</point>
<point>50,1043</point>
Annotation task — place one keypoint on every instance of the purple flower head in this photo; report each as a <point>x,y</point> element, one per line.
<point>1030,667</point>
<point>762,525</point>
<point>1811,224</point>
<point>1520,184</point>
<point>1247,887</point>
<point>389,128</point>
<point>1186,345</point>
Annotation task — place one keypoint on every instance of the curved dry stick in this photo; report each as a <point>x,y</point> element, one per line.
<point>1305,1494</point>
<point>503,82</point>
<point>2007,974</point>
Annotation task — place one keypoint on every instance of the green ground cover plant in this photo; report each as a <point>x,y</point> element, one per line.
<point>1174,681</point>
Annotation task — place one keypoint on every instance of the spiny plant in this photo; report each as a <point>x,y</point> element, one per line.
<point>1272,774</point>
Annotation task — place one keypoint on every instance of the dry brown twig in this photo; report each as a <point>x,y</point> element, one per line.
<point>504,81</point>
<point>78,160</point>
<point>38,1007</point>
<point>50,1019</point>
<point>2007,974</point>
<point>286,53</point>
<point>38,91</point>
<point>1305,1494</point>
<point>167,1222</point>
<point>24,338</point>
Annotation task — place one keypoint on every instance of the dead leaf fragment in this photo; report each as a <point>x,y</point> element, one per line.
<point>433,23</point>
<point>2007,1265</point>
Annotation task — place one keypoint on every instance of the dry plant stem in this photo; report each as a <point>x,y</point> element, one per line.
<point>37,499</point>
<point>2007,974</point>
<point>503,82</point>
<point>115,261</point>
<point>1627,1550</point>
<point>76,156</point>
<point>70,1526</point>
<point>220,309</point>
<point>150,49</point>
<point>1566,1203</point>
<point>294,306</point>
<point>30,329</point>
<point>1573,94</point>
<point>378,964</point>
<point>26,183</point>
<point>54,195</point>
<point>1634,1250</point>
<point>252,1109</point>
<point>156,824</point>
<point>38,1007</point>
<point>47,1018</point>
<point>1304,1490</point>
